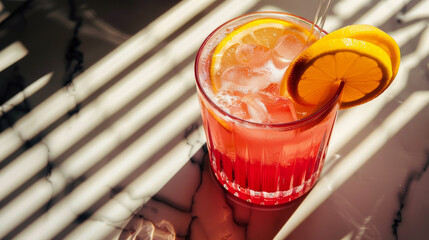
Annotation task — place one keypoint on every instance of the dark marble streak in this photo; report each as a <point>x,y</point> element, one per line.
<point>74,57</point>
<point>412,177</point>
<point>74,65</point>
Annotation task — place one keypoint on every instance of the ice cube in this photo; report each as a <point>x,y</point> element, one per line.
<point>266,107</point>
<point>244,79</point>
<point>252,55</point>
<point>257,111</point>
<point>273,88</point>
<point>230,101</point>
<point>281,110</point>
<point>287,47</point>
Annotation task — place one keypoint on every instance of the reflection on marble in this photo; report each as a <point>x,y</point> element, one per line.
<point>100,134</point>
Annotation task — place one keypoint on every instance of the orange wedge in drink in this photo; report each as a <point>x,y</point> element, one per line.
<point>260,35</point>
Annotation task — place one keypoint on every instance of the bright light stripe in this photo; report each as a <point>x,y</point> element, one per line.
<point>356,159</point>
<point>271,8</point>
<point>112,173</point>
<point>22,169</point>
<point>118,96</point>
<point>342,10</point>
<point>346,8</point>
<point>27,92</point>
<point>378,14</point>
<point>348,236</point>
<point>12,54</point>
<point>420,11</point>
<point>35,159</point>
<point>12,139</point>
<point>99,74</point>
<point>9,142</point>
<point>117,210</point>
<point>3,16</point>
<point>29,201</point>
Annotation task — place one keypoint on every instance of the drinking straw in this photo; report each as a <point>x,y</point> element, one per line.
<point>320,17</point>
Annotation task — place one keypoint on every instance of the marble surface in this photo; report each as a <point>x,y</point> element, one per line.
<point>101,137</point>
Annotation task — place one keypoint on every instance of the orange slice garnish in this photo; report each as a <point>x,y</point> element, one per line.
<point>373,35</point>
<point>313,77</point>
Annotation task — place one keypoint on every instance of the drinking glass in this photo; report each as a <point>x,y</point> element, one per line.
<point>265,164</point>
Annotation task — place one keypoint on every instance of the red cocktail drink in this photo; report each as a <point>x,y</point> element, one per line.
<point>264,147</point>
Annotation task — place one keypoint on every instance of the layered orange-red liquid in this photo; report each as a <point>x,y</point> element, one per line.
<point>267,165</point>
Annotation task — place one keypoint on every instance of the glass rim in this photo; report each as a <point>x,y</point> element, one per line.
<point>294,124</point>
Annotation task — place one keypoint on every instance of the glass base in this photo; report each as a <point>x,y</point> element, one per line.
<point>262,197</point>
